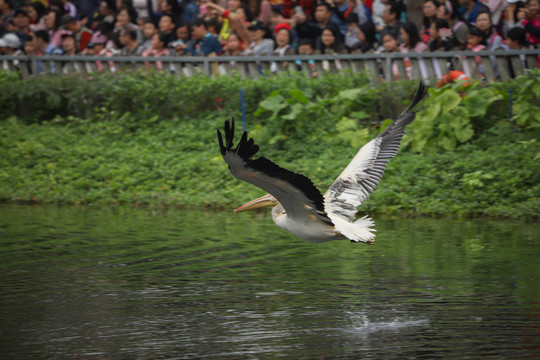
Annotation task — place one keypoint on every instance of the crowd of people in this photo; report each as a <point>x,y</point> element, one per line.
<point>261,27</point>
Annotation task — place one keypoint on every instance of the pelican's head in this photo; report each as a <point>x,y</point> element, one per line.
<point>266,200</point>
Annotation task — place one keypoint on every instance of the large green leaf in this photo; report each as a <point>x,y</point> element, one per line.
<point>299,96</point>
<point>449,100</point>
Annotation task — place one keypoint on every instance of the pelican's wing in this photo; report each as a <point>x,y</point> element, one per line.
<point>295,192</point>
<point>366,169</point>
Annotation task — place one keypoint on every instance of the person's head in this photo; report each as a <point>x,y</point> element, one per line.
<point>166,23</point>
<point>392,12</point>
<point>352,21</point>
<point>69,45</point>
<point>409,34</point>
<point>534,7</point>
<point>390,42</point>
<point>30,45</point>
<point>366,33</point>
<point>123,16</point>
<point>182,32</point>
<point>127,36</point>
<point>435,27</point>
<point>199,28</point>
<point>257,30</point>
<point>169,6</point>
<point>445,11</point>
<point>331,37</point>
<point>36,10</point>
<point>474,37</point>
<point>305,46</point>
<point>483,21</point>
<point>52,20</point>
<point>323,12</point>
<point>430,8</point>
<point>516,38</point>
<point>233,43</point>
<point>233,5</point>
<point>213,25</point>
<point>21,19</point>
<point>97,42</point>
<point>160,41</point>
<point>149,29</point>
<point>107,7</point>
<point>6,5</point>
<point>10,43</point>
<point>42,39</point>
<point>282,35</point>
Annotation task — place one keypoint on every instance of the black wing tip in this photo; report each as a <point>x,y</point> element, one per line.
<point>419,94</point>
<point>246,147</point>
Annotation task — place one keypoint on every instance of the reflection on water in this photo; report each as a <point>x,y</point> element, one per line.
<point>84,283</point>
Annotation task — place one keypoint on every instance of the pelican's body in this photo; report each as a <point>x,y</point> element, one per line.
<point>299,207</point>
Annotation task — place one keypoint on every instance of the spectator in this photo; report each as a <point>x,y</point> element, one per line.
<point>305,47</point>
<point>52,24</point>
<point>289,8</point>
<point>86,7</point>
<point>36,11</point>
<point>412,44</point>
<point>69,44</point>
<point>145,8</point>
<point>410,39</point>
<point>107,8</point>
<point>306,29</point>
<point>6,14</point>
<point>192,11</point>
<point>282,37</point>
<point>128,40</point>
<point>149,30</point>
<point>233,46</point>
<point>360,9</point>
<point>492,40</point>
<point>70,9</point>
<point>475,40</point>
<point>21,21</point>
<point>391,16</point>
<point>367,42</point>
<point>530,18</point>
<point>338,16</point>
<point>159,48</point>
<point>96,46</point>
<point>172,8</point>
<point>43,44</point>
<point>510,13</point>
<point>517,39</point>
<point>205,43</point>
<point>430,14</point>
<point>377,11</point>
<point>81,33</point>
<point>260,9</point>
<point>234,21</point>
<point>390,43</point>
<point>183,34</point>
<point>459,28</point>
<point>496,8</point>
<point>10,44</point>
<point>166,26</point>
<point>259,45</point>
<point>440,36</point>
<point>124,20</point>
<point>470,9</point>
<point>331,43</point>
<point>351,37</point>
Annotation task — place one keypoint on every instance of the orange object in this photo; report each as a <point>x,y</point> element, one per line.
<point>451,77</point>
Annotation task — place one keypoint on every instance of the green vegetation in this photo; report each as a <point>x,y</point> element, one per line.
<point>145,138</point>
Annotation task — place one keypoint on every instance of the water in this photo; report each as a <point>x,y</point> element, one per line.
<point>85,283</point>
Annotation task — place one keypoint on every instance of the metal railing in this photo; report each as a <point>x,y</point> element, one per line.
<point>429,66</point>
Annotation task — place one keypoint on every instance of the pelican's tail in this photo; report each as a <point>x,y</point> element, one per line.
<point>358,231</point>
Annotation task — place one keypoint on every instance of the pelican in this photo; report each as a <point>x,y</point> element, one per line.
<point>298,206</point>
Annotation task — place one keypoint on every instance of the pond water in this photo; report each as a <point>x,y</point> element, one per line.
<point>121,283</point>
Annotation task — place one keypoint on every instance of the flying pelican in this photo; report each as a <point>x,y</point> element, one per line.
<point>299,207</point>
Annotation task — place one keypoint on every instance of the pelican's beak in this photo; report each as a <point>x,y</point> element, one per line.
<point>266,200</point>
